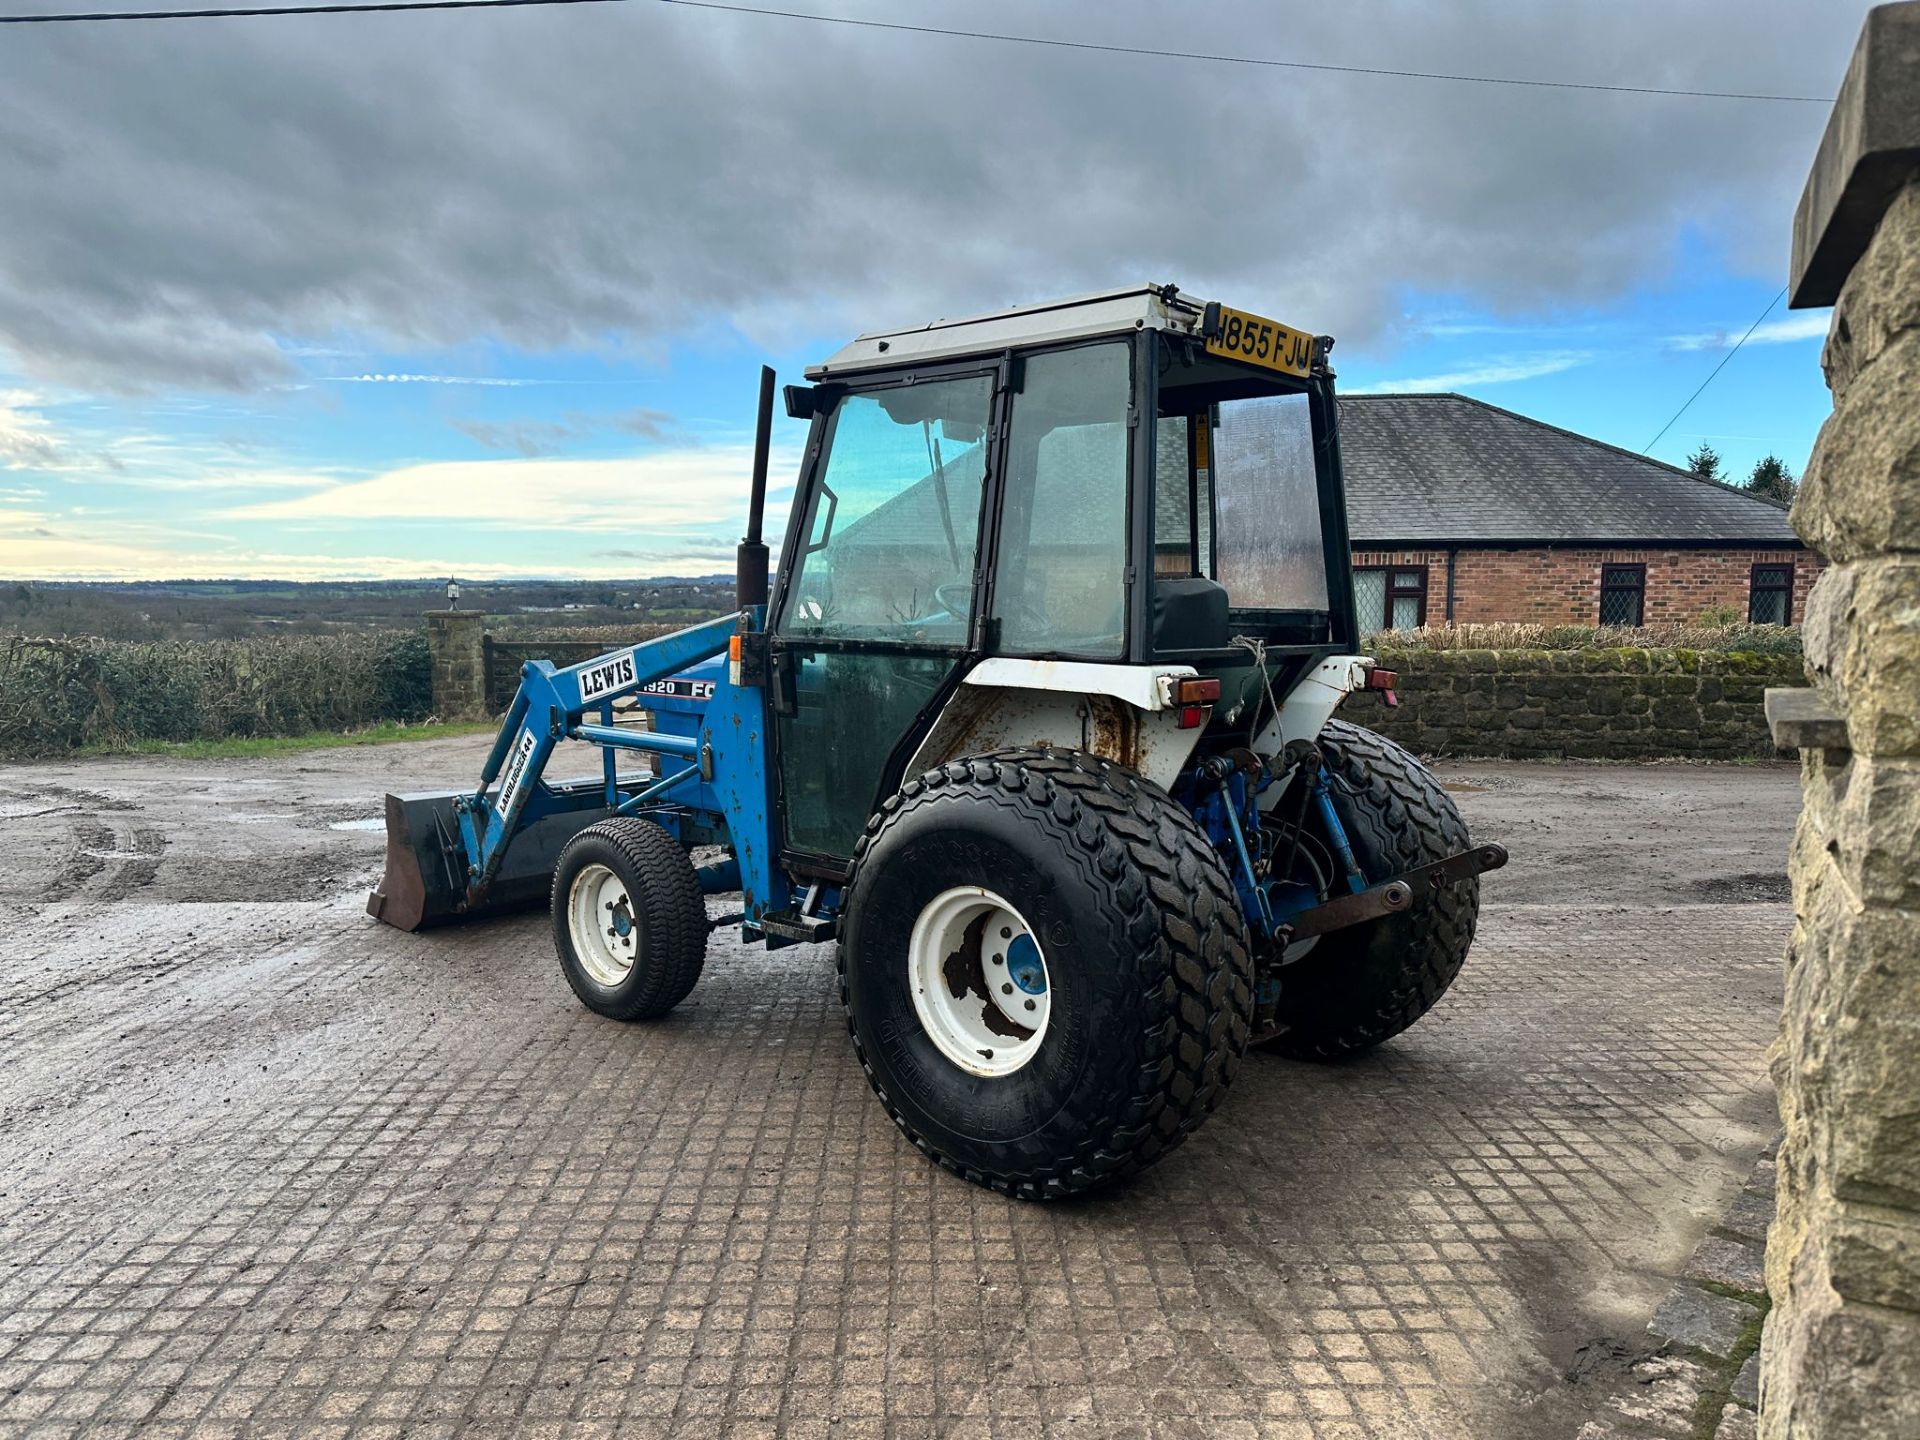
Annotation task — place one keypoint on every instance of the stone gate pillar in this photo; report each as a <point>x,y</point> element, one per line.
<point>457,640</point>
<point>1841,1356</point>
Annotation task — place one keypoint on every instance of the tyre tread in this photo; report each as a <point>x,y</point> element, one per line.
<point>1133,842</point>
<point>1407,819</point>
<point>663,886</point>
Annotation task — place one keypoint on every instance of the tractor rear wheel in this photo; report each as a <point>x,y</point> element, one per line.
<point>1044,970</point>
<point>1361,986</point>
<point>628,919</point>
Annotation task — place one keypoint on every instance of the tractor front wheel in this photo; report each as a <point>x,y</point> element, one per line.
<point>628,919</point>
<point>1044,969</point>
<point>1358,987</point>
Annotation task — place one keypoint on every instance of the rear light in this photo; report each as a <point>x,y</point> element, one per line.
<point>1192,717</point>
<point>735,643</point>
<point>1197,690</point>
<point>1384,681</point>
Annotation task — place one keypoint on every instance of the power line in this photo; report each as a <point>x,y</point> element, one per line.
<point>1266,62</point>
<point>1717,369</point>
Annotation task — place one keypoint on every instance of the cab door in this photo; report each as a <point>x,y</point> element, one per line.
<point>874,613</point>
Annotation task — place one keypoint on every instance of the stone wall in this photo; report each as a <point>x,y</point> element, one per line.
<point>1587,704</point>
<point>1841,1354</point>
<point>506,657</point>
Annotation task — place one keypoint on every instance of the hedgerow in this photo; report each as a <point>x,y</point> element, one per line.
<point>59,695</point>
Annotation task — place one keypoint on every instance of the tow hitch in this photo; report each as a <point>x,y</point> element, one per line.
<point>1392,895</point>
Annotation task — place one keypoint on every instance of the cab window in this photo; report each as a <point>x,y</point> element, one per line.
<point>1061,582</point>
<point>891,527</point>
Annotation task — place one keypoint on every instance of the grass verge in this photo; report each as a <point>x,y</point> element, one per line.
<point>241,747</point>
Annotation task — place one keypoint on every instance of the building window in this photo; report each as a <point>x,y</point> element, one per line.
<point>1770,599</point>
<point>1623,594</point>
<point>1390,597</point>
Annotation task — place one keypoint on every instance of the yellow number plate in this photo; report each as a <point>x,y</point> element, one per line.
<point>1266,343</point>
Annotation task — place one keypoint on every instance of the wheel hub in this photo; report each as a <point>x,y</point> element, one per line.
<point>979,981</point>
<point>600,922</point>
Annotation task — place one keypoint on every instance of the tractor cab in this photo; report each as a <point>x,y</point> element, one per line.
<point>1126,484</point>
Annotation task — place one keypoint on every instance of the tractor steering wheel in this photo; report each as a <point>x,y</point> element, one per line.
<point>956,598</point>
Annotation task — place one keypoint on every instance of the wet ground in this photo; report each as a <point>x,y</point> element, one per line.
<point>267,1167</point>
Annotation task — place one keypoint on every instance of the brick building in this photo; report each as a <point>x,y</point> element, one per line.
<point>1461,511</point>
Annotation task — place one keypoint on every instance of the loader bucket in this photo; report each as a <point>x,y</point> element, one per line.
<point>425,882</point>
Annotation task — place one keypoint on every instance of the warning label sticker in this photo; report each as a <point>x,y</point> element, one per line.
<point>515,773</point>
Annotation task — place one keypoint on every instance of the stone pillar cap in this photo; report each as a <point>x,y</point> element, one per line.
<point>1871,150</point>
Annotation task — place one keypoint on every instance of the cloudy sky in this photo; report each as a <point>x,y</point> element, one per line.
<point>486,292</point>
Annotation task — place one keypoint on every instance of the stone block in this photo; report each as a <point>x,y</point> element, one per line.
<point>1749,1215</point>
<point>1729,1262</point>
<point>1701,1320</point>
<point>1870,150</point>
<point>1863,648</point>
<point>1882,297</point>
<point>1861,492</point>
<point>1736,1424</point>
<point>1670,1387</point>
<point>1830,1369</point>
<point>1874,1255</point>
<point>1869,818</point>
<point>1746,1384</point>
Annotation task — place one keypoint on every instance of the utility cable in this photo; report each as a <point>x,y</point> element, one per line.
<point>390,6</point>
<point>1717,369</point>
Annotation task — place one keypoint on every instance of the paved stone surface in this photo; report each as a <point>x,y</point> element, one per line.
<point>268,1168</point>
<point>1666,1392</point>
<point>1750,1214</point>
<point>1730,1263</point>
<point>1701,1319</point>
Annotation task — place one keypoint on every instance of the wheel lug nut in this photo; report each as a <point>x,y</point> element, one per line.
<point>1029,1004</point>
<point>1006,989</point>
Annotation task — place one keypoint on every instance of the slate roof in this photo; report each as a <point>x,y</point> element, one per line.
<point>1426,469</point>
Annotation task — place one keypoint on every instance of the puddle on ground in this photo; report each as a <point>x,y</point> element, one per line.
<point>374,822</point>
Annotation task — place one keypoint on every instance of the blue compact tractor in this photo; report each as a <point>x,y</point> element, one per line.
<point>1035,724</point>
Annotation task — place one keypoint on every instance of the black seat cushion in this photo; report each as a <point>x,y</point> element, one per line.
<point>1189,613</point>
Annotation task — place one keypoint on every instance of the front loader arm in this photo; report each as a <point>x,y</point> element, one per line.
<point>550,706</point>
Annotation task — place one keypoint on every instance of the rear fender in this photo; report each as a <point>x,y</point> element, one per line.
<point>1308,707</point>
<point>1312,701</point>
<point>1122,713</point>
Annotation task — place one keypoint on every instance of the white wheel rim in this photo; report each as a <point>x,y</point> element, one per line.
<point>979,981</point>
<point>606,941</point>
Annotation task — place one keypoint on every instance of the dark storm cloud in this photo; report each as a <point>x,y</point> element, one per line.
<point>177,197</point>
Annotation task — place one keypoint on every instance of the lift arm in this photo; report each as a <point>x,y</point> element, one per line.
<point>551,705</point>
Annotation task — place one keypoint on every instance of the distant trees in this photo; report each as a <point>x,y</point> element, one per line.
<point>1772,480</point>
<point>1705,462</point>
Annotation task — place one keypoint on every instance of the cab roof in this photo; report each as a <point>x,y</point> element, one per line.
<point>1107,312</point>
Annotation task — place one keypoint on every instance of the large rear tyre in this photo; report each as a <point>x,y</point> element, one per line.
<point>1044,969</point>
<point>1361,986</point>
<point>628,919</point>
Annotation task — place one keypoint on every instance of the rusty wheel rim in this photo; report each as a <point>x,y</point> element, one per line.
<point>979,981</point>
